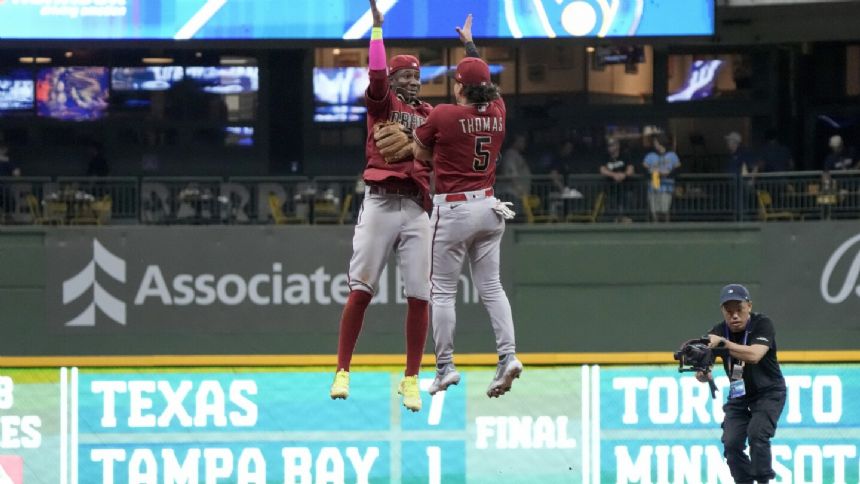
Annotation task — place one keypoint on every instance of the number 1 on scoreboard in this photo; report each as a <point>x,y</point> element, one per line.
<point>434,462</point>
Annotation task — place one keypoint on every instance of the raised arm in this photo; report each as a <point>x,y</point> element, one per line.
<point>465,33</point>
<point>377,60</point>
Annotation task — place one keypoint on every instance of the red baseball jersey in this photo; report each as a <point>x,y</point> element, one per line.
<point>466,141</point>
<point>384,105</point>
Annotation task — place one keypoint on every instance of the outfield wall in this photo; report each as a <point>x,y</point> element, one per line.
<point>574,424</point>
<point>236,290</point>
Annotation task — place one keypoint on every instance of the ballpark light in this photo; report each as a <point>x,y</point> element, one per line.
<point>37,60</point>
<point>157,60</point>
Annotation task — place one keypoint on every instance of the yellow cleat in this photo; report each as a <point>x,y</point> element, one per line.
<point>409,389</point>
<point>340,387</point>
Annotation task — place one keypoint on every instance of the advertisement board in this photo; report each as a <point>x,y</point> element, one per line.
<point>816,296</point>
<point>350,19</point>
<point>242,292</point>
<point>570,424</point>
<point>263,290</point>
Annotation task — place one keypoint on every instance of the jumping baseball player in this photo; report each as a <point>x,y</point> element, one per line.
<point>462,143</point>
<point>393,215</point>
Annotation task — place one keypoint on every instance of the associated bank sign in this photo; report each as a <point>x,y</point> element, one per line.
<point>75,288</point>
<point>193,280</point>
<point>845,260</point>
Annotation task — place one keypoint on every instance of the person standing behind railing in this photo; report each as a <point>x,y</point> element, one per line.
<point>660,164</point>
<point>774,156</point>
<point>8,167</point>
<point>516,176</point>
<point>740,160</point>
<point>97,163</point>
<point>840,157</point>
<point>618,172</point>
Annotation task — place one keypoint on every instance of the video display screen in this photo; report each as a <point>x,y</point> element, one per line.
<point>239,136</point>
<point>151,78</point>
<point>339,93</point>
<point>72,93</point>
<point>350,19</point>
<point>429,73</point>
<point>225,80</point>
<point>699,83</point>
<point>619,55</point>
<point>16,90</point>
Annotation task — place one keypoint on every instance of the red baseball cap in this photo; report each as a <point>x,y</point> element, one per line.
<point>473,71</point>
<point>400,62</point>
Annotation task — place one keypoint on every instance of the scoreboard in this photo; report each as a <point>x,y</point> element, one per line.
<point>567,424</point>
<point>349,19</point>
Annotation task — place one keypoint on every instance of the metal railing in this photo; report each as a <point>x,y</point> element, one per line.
<point>301,200</point>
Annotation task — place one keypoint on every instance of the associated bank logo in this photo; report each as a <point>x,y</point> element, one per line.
<point>849,284</point>
<point>80,284</point>
<point>577,18</point>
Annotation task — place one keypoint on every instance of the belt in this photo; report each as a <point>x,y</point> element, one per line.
<point>463,196</point>
<point>393,190</point>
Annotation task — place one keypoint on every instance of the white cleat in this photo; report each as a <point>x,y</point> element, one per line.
<point>445,377</point>
<point>508,369</point>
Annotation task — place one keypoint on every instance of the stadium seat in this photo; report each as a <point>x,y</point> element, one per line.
<point>765,208</point>
<point>278,215</point>
<point>593,214</point>
<point>534,212</point>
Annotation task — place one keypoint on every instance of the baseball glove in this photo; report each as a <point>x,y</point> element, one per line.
<point>393,143</point>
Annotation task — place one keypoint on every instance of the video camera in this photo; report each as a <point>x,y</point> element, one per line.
<point>695,355</point>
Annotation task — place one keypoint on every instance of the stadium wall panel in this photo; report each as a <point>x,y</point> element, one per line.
<point>261,290</point>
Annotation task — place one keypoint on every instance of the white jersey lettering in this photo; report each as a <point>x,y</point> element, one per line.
<point>489,124</point>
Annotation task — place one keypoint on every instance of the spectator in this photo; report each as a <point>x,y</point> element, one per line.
<point>561,164</point>
<point>774,156</point>
<point>150,161</point>
<point>741,161</point>
<point>840,157</point>
<point>515,167</point>
<point>8,167</point>
<point>660,163</point>
<point>640,150</point>
<point>98,164</point>
<point>618,171</point>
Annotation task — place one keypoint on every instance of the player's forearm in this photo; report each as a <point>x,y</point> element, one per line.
<point>376,56</point>
<point>471,49</point>
<point>378,87</point>
<point>422,154</point>
<point>748,354</point>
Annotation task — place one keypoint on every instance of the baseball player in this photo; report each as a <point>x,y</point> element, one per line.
<point>462,143</point>
<point>393,214</point>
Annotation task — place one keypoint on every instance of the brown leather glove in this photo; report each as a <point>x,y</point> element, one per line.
<point>392,141</point>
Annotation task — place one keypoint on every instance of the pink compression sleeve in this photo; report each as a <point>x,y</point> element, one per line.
<point>377,60</point>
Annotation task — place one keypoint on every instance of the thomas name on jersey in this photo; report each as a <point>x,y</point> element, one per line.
<point>483,124</point>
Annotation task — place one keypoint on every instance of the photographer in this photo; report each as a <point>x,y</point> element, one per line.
<point>747,344</point>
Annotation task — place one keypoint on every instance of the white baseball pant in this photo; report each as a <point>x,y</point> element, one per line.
<point>386,223</point>
<point>468,228</point>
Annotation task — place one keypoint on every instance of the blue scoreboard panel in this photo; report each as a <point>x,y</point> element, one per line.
<point>569,424</point>
<point>350,19</point>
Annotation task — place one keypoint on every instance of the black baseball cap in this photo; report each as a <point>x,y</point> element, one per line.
<point>734,292</point>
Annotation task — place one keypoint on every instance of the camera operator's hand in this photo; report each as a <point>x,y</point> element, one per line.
<point>715,341</point>
<point>702,376</point>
